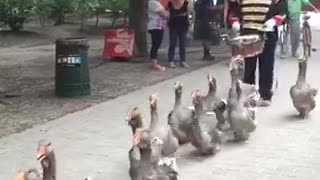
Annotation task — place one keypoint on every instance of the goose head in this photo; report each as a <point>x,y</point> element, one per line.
<point>134,118</point>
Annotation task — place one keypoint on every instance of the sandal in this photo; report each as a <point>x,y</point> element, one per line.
<point>158,68</point>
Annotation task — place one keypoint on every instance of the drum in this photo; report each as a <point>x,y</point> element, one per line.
<point>247,45</point>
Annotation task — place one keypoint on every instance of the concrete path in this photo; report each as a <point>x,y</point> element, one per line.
<point>96,141</point>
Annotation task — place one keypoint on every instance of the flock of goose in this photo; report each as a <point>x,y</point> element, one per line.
<point>152,157</point>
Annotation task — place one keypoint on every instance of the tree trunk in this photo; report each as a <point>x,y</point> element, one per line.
<point>97,17</point>
<point>60,19</point>
<point>43,21</point>
<point>82,22</point>
<point>125,21</point>
<point>114,20</point>
<point>137,22</point>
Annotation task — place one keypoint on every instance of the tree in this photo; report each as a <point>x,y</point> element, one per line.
<point>14,13</point>
<point>100,8</point>
<point>59,8</point>
<point>43,8</point>
<point>137,21</point>
<point>118,8</point>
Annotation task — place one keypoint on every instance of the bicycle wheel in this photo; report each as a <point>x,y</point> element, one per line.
<point>281,42</point>
<point>286,35</point>
<point>308,40</point>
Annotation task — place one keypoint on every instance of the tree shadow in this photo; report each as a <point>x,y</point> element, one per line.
<point>21,33</point>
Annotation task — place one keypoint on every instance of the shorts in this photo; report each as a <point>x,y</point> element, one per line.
<point>202,30</point>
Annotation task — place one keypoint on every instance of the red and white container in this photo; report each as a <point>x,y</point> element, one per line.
<point>118,43</point>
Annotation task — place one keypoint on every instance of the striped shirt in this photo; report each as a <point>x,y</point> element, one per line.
<point>254,13</point>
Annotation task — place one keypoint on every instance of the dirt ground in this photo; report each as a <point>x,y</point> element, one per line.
<point>27,74</point>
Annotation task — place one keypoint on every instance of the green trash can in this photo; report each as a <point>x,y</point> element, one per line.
<point>72,73</point>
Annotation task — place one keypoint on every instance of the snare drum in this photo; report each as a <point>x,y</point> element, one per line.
<point>247,45</point>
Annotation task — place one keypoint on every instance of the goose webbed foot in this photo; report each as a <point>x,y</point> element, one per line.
<point>217,148</point>
<point>241,136</point>
<point>169,162</point>
<point>303,116</point>
<point>224,126</point>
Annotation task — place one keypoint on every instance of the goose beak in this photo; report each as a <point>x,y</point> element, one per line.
<point>40,157</point>
<point>195,93</point>
<point>210,77</point>
<point>41,153</point>
<point>20,176</point>
<point>177,84</point>
<point>154,98</point>
<point>129,115</point>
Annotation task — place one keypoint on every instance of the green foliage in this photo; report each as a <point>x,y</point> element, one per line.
<point>116,5</point>
<point>62,5</point>
<point>85,7</point>
<point>43,7</point>
<point>59,8</point>
<point>14,13</point>
<point>117,9</point>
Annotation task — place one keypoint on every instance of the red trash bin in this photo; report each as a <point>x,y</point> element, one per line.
<point>118,43</point>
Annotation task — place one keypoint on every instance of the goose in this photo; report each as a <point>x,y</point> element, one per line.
<point>302,94</point>
<point>241,119</point>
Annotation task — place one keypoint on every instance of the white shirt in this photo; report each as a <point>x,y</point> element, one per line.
<point>214,2</point>
<point>155,21</point>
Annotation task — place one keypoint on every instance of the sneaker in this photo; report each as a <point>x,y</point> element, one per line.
<point>296,55</point>
<point>264,103</point>
<point>282,56</point>
<point>158,68</point>
<point>208,57</point>
<point>172,65</point>
<point>184,65</point>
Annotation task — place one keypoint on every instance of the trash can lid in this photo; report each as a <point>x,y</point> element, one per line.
<point>73,41</point>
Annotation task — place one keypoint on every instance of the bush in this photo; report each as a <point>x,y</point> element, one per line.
<point>14,13</point>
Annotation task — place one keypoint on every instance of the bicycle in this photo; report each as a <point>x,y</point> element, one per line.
<point>283,39</point>
<point>306,35</point>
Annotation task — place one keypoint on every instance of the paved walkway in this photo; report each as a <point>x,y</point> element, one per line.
<point>95,141</point>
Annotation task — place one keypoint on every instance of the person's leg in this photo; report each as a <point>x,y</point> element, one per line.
<point>250,65</point>
<point>206,49</point>
<point>156,40</point>
<point>173,36</point>
<point>182,47</point>
<point>153,53</point>
<point>295,36</point>
<point>205,33</point>
<point>266,68</point>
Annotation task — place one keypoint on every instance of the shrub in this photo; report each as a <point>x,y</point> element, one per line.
<point>14,13</point>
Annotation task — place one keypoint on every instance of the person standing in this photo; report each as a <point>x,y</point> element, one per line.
<point>157,16</point>
<point>178,28</point>
<point>207,13</point>
<point>253,17</point>
<point>294,9</point>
